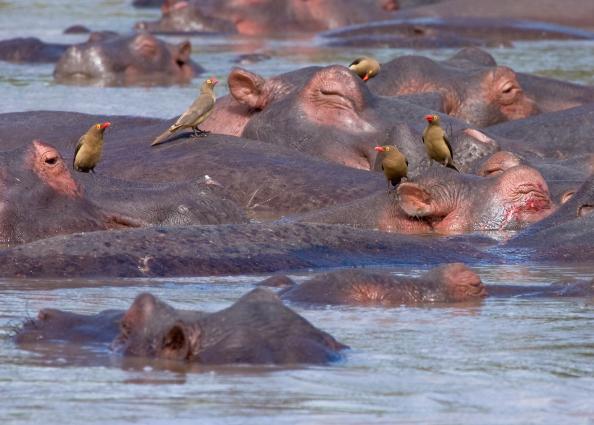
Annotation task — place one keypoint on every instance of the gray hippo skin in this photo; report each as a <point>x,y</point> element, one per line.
<point>42,199</point>
<point>266,17</point>
<point>114,60</point>
<point>257,329</point>
<point>442,285</point>
<point>330,113</point>
<point>446,202</point>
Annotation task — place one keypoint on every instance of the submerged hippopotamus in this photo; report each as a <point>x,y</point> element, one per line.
<point>40,198</point>
<point>573,13</point>
<point>480,95</point>
<point>454,31</point>
<point>123,60</point>
<point>475,89</point>
<point>330,113</point>
<point>30,50</point>
<point>228,249</point>
<point>447,202</point>
<point>256,329</point>
<point>446,284</point>
<point>266,17</point>
<point>37,180</point>
<point>565,236</point>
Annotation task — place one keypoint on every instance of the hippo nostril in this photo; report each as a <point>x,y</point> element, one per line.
<point>180,63</point>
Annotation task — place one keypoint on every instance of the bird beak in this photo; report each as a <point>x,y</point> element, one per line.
<point>379,148</point>
<point>214,81</point>
<point>366,77</point>
<point>429,118</point>
<point>105,125</point>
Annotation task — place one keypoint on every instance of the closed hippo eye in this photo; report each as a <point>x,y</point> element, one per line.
<point>336,99</point>
<point>585,210</point>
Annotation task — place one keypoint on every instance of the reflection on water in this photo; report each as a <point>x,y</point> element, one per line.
<point>509,360</point>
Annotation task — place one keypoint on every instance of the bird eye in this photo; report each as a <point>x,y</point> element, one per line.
<point>98,126</point>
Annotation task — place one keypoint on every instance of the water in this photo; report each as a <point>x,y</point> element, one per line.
<point>507,361</point>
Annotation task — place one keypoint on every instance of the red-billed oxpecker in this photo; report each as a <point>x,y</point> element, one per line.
<point>196,114</point>
<point>365,67</point>
<point>394,165</point>
<point>437,143</point>
<point>88,149</point>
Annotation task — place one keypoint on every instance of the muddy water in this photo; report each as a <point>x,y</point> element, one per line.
<point>507,361</point>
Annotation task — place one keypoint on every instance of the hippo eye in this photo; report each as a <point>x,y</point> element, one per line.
<point>51,160</point>
<point>507,87</point>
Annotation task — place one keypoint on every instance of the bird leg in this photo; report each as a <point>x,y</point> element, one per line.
<point>199,133</point>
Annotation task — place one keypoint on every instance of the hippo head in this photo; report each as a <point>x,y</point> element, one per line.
<point>40,199</point>
<point>471,90</point>
<point>448,202</point>
<point>152,328</point>
<point>258,328</point>
<point>124,60</point>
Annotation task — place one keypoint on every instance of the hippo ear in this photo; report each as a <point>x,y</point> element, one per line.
<point>184,49</point>
<point>176,344</point>
<point>247,88</point>
<point>414,200</point>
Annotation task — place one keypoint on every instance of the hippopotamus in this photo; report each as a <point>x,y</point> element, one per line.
<point>228,249</point>
<point>38,181</point>
<point>447,32</point>
<point>562,176</point>
<point>442,285</point>
<point>30,50</point>
<point>565,236</point>
<point>480,95</point>
<point>447,202</point>
<point>256,329</point>
<point>125,60</point>
<point>559,135</point>
<point>40,198</point>
<point>255,175</point>
<point>449,283</point>
<point>573,13</point>
<point>330,113</point>
<point>266,17</point>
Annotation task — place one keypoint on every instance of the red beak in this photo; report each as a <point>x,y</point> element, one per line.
<point>366,77</point>
<point>429,118</point>
<point>105,125</point>
<point>214,81</point>
<point>379,148</point>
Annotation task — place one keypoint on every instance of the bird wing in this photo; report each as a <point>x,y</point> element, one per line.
<point>355,62</point>
<point>81,141</point>
<point>447,142</point>
<point>202,105</point>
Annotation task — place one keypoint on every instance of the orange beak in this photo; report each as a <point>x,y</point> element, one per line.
<point>379,148</point>
<point>105,125</point>
<point>366,77</point>
<point>214,81</point>
<point>429,118</point>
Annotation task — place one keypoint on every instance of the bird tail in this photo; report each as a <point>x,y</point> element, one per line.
<point>452,166</point>
<point>162,137</point>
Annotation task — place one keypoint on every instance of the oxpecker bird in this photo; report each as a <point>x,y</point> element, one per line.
<point>195,114</point>
<point>394,165</point>
<point>88,149</point>
<point>365,67</point>
<point>437,143</point>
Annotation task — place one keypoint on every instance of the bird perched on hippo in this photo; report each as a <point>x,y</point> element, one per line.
<point>196,114</point>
